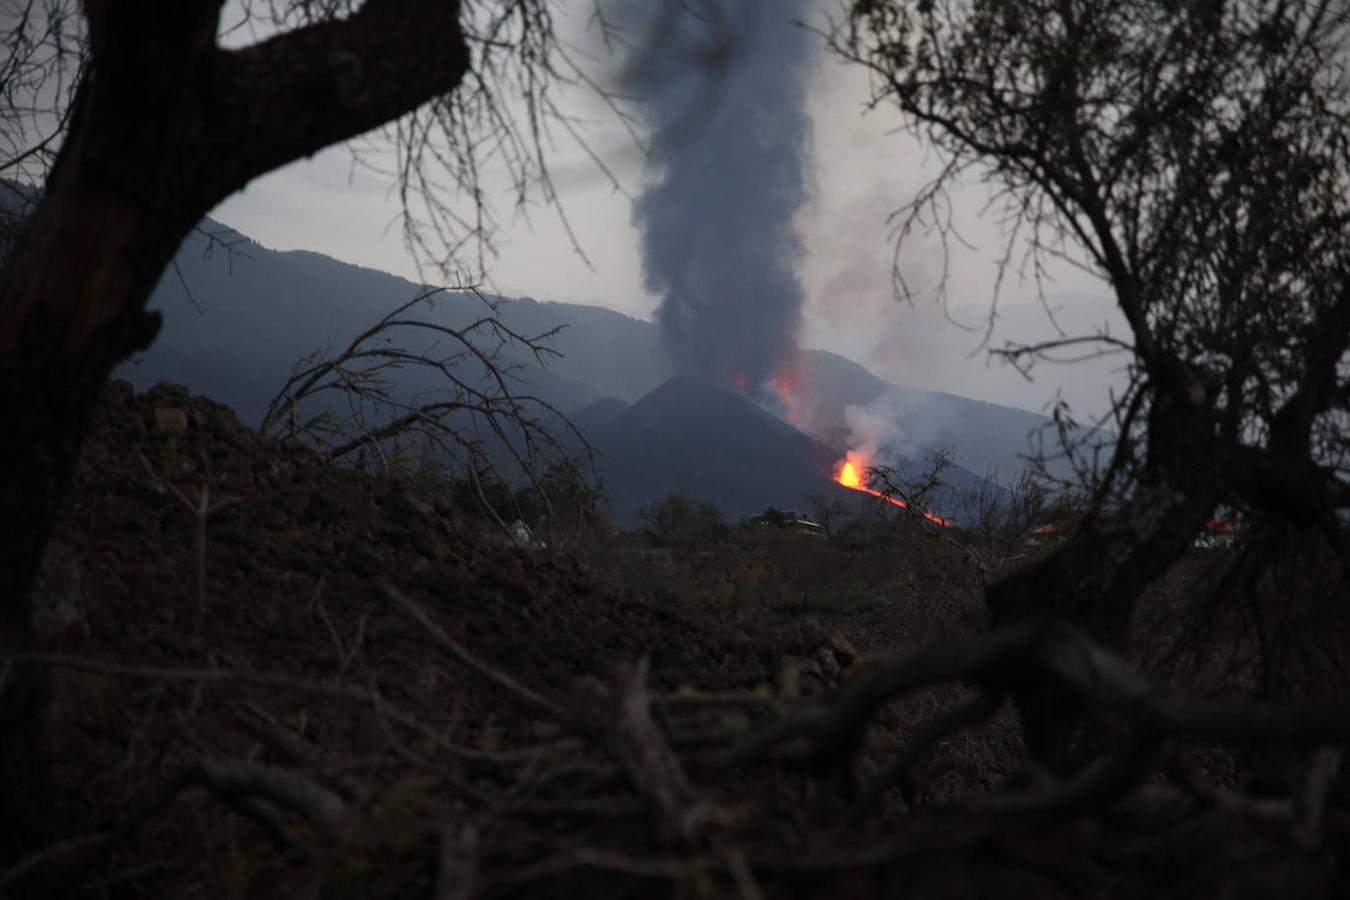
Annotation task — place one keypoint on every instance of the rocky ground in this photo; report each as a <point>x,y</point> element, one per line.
<point>275,676</point>
<point>226,600</point>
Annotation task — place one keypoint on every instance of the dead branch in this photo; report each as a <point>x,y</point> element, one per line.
<point>833,729</point>
<point>743,876</point>
<point>199,505</point>
<point>201,509</point>
<point>238,780</point>
<point>281,741</point>
<point>1295,725</point>
<point>478,417</point>
<point>671,868</point>
<point>967,823</point>
<point>383,715</point>
<point>338,691</point>
<point>1312,800</point>
<point>25,867</point>
<point>1302,812</point>
<point>1047,652</point>
<point>976,711</point>
<point>456,863</point>
<point>459,652</point>
<point>618,717</point>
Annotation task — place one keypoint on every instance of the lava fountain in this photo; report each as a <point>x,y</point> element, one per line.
<point>850,475</point>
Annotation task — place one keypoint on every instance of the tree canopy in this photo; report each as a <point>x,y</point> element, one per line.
<point>1194,158</point>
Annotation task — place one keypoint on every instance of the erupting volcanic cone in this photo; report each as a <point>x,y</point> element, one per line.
<point>850,476</point>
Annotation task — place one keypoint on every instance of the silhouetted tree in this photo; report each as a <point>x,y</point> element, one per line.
<point>828,512</point>
<point>565,503</point>
<point>678,520</point>
<point>136,120</point>
<point>1194,157</point>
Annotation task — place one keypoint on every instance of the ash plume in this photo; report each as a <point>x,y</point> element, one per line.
<point>721,86</point>
<point>894,428</point>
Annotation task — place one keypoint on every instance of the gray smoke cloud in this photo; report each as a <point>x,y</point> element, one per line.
<point>721,87</point>
<point>897,427</point>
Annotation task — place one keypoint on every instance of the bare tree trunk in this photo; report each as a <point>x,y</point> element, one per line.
<point>165,126</point>
<point>71,308</point>
<point>1095,579</point>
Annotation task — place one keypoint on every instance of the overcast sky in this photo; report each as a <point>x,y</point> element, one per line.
<point>861,169</point>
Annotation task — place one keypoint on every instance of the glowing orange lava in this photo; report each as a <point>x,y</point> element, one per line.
<point>788,389</point>
<point>850,476</point>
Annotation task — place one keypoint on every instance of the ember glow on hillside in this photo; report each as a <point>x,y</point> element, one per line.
<point>788,389</point>
<point>849,475</point>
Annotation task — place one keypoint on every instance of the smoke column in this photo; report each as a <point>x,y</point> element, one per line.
<point>721,90</point>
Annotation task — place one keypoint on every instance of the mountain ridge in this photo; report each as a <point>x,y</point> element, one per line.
<point>698,438</point>
<point>262,309</point>
<point>239,315</point>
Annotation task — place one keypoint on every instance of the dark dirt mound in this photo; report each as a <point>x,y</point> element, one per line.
<point>273,676</point>
<point>296,552</point>
<point>294,562</point>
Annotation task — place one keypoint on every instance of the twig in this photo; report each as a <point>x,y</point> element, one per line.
<point>972,713</point>
<point>498,677</point>
<point>280,740</point>
<point>345,656</point>
<point>1043,649</point>
<point>966,824</point>
<point>264,679</point>
<point>476,405</point>
<point>833,729</point>
<point>675,869</point>
<point>456,863</point>
<point>739,867</point>
<point>1311,802</point>
<point>618,716</point>
<point>54,851</point>
<point>239,780</point>
<point>201,509</point>
<point>1194,782</point>
<point>383,717</point>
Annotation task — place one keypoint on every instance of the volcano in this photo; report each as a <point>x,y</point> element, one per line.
<point>235,323</point>
<point>715,444</point>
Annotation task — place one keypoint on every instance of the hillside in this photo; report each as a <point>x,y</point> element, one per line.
<point>315,653</point>
<point>238,316</point>
<point>343,682</point>
<point>713,444</point>
<point>988,439</point>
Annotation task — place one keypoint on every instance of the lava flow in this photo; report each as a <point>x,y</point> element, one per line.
<point>850,477</point>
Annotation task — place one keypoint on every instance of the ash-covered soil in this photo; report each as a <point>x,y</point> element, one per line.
<point>292,651</point>
<point>296,551</point>
<point>272,677</point>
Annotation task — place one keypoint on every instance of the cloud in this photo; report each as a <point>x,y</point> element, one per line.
<point>723,96</point>
<point>898,426</point>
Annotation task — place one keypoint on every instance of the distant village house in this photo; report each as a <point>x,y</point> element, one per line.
<point>787,520</point>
